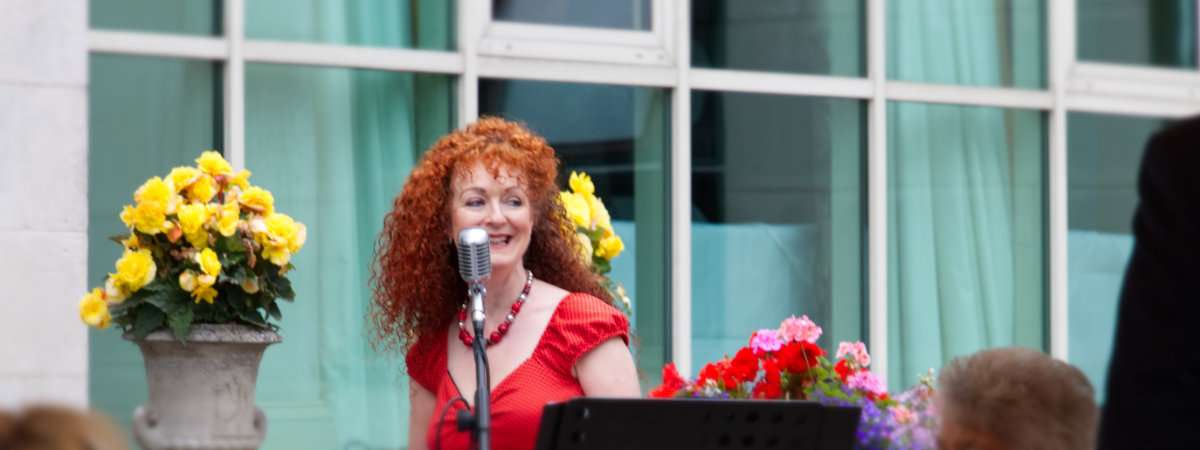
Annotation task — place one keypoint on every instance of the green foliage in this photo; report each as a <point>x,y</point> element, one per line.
<point>164,303</point>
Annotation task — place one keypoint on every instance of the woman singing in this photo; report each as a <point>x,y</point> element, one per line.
<point>551,332</point>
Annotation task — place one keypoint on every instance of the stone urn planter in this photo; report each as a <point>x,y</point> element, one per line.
<point>202,393</point>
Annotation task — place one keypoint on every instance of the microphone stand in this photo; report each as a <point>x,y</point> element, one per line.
<point>481,426</point>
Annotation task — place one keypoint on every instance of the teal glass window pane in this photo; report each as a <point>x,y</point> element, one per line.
<point>334,146</point>
<point>823,37</point>
<point>620,136</point>
<point>145,116</point>
<point>414,24</point>
<point>966,233</point>
<point>979,43</point>
<point>194,17</point>
<point>1149,33</point>
<point>1103,154</point>
<point>777,218</point>
<point>618,14</point>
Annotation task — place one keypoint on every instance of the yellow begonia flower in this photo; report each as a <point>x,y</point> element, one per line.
<point>258,200</point>
<point>214,164</point>
<point>149,218</point>
<point>242,179</point>
<point>610,247</point>
<point>581,183</point>
<point>209,263</point>
<point>600,217</point>
<point>577,207</point>
<point>203,190</point>
<point>157,191</point>
<point>586,246</point>
<point>94,310</point>
<point>127,216</point>
<point>206,293</point>
<point>182,177</point>
<point>134,270</point>
<point>280,236</point>
<point>624,297</point>
<point>187,280</point>
<point>227,223</point>
<point>192,218</point>
<point>112,293</point>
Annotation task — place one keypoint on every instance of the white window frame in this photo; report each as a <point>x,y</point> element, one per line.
<point>583,44</point>
<point>661,58</point>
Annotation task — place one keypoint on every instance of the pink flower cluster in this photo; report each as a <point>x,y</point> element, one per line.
<point>765,340</point>
<point>802,329</point>
<point>866,381</point>
<point>858,349</point>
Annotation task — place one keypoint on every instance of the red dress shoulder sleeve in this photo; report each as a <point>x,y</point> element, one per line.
<point>426,360</point>
<point>581,323</point>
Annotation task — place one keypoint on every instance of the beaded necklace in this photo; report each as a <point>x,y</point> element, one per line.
<point>494,338</point>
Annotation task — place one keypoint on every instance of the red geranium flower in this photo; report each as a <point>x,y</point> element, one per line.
<point>672,383</point>
<point>842,369</point>
<point>744,366</point>
<point>769,387</point>
<point>799,356</point>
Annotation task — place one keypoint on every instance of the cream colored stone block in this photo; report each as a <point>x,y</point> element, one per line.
<point>17,391</point>
<point>43,158</point>
<point>44,274</point>
<point>44,42</point>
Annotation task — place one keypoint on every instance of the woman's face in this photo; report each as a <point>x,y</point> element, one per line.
<point>499,205</point>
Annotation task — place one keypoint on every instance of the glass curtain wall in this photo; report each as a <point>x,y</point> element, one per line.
<point>416,24</point>
<point>146,115</point>
<point>966,233</point>
<point>1104,153</point>
<point>777,217</point>
<point>824,37</point>
<point>1148,33</point>
<point>335,145</point>
<point>619,136</point>
<point>631,15</point>
<point>998,43</point>
<point>192,17</point>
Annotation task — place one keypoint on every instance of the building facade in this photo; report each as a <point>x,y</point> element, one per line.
<point>931,177</point>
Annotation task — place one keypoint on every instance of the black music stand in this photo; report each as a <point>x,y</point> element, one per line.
<point>629,424</point>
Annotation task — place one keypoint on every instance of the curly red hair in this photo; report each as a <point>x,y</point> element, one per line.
<point>415,285</point>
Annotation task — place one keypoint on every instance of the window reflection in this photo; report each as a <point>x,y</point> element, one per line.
<point>777,220</point>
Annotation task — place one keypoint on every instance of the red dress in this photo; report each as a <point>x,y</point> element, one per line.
<point>578,324</point>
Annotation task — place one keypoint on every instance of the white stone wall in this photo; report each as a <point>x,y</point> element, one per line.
<point>43,201</point>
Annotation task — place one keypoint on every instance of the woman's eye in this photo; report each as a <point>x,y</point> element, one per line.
<point>515,202</point>
<point>475,202</point>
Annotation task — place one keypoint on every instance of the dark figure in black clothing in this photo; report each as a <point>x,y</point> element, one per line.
<point>1153,398</point>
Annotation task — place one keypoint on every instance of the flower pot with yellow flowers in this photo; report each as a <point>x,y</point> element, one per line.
<point>204,266</point>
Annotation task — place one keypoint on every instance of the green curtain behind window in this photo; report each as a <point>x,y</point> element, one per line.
<point>146,115</point>
<point>966,234</point>
<point>334,146</point>
<point>966,188</point>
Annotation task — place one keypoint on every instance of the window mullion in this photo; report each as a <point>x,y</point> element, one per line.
<point>681,195</point>
<point>234,85</point>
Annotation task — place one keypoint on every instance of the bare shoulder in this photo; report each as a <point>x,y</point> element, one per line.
<point>547,295</point>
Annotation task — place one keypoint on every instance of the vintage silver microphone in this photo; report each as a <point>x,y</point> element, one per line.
<point>475,266</point>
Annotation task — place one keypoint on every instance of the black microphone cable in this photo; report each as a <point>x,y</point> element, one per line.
<point>437,442</point>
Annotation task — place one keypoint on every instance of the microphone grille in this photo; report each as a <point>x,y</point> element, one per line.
<point>474,254</point>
